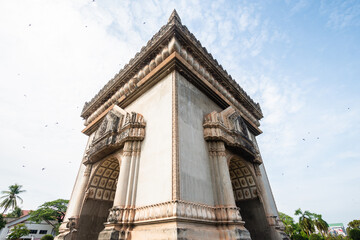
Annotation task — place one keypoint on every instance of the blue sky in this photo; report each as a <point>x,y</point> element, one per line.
<point>298,59</point>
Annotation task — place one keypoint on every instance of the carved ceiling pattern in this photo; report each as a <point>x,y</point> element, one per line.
<point>242,180</point>
<point>103,183</point>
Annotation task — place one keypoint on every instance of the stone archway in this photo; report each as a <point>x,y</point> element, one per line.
<point>248,198</point>
<point>99,198</point>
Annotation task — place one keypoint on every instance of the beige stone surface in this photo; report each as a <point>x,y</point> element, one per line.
<point>154,182</point>
<point>195,176</point>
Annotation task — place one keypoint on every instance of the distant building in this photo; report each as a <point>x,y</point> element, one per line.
<point>337,229</point>
<point>37,230</point>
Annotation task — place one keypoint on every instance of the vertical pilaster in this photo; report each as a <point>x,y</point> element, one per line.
<point>175,139</point>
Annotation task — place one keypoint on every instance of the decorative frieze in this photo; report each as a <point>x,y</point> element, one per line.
<point>172,46</point>
<point>176,209</point>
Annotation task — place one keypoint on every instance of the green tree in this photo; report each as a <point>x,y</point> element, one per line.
<point>49,211</point>
<point>291,228</point>
<point>354,224</point>
<point>10,197</point>
<point>298,236</point>
<point>354,234</point>
<point>17,212</point>
<point>288,223</point>
<point>47,237</point>
<point>18,231</point>
<point>306,222</point>
<point>314,236</point>
<point>2,222</point>
<point>320,224</point>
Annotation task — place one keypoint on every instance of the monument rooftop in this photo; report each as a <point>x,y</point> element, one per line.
<point>171,38</point>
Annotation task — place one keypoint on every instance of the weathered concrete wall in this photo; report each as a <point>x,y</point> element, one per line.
<point>270,197</point>
<point>195,177</point>
<point>155,169</point>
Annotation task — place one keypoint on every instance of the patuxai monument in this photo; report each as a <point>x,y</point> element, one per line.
<point>172,152</point>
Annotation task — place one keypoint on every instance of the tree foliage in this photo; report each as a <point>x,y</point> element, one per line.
<point>321,225</point>
<point>11,197</point>
<point>47,237</point>
<point>354,224</point>
<point>314,236</point>
<point>291,228</point>
<point>298,236</point>
<point>17,212</point>
<point>18,231</point>
<point>50,211</point>
<point>354,234</point>
<point>2,222</point>
<point>306,222</point>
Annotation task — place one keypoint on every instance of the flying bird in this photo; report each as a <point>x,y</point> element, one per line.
<point>23,166</point>
<point>144,22</point>
<point>57,123</point>
<point>30,25</point>
<point>45,125</point>
<point>42,169</point>
<point>303,139</point>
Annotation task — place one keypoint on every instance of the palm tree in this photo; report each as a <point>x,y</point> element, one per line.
<point>305,221</point>
<point>320,224</point>
<point>10,197</point>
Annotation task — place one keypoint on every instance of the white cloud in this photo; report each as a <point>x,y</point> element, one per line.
<point>341,13</point>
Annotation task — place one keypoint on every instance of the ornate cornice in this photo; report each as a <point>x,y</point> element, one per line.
<point>175,209</point>
<point>157,49</point>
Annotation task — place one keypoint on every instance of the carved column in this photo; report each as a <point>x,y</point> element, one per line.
<point>226,209</point>
<point>73,212</point>
<point>80,197</point>
<point>122,213</point>
<point>120,195</point>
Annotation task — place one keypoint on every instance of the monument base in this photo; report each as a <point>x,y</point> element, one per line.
<point>175,230</point>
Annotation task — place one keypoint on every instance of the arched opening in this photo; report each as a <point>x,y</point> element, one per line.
<point>247,199</point>
<point>99,199</point>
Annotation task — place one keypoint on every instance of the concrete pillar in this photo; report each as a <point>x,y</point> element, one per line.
<point>79,198</point>
<point>223,194</point>
<point>123,179</point>
<point>78,192</point>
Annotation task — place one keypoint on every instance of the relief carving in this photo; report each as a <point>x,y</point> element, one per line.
<point>116,128</point>
<point>229,127</point>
